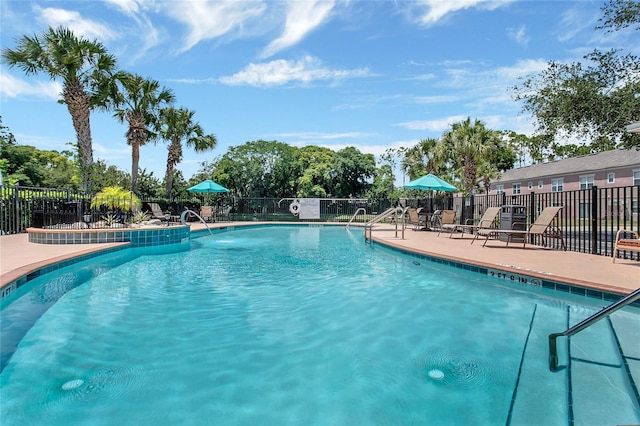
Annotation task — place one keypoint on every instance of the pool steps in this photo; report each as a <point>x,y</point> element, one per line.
<point>604,357</point>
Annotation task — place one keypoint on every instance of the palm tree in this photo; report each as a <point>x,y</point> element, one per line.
<point>466,146</point>
<point>82,65</point>
<point>421,159</point>
<point>177,125</point>
<point>138,102</point>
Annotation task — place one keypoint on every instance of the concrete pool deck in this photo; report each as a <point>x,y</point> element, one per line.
<point>18,257</point>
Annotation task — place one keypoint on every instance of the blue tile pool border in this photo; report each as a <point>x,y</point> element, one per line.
<point>137,237</point>
<point>550,284</point>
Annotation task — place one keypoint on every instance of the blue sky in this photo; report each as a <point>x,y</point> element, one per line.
<point>371,74</point>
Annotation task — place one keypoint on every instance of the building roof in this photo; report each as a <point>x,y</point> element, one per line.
<point>614,159</point>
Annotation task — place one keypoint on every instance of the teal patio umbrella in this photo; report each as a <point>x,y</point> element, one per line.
<point>207,187</point>
<point>431,183</point>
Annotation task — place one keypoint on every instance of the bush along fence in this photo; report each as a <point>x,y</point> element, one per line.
<point>589,219</point>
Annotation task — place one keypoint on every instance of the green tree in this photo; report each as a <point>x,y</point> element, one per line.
<point>105,175</point>
<point>465,146</point>
<point>354,171</point>
<point>138,101</point>
<point>82,65</point>
<point>28,166</point>
<point>177,125</point>
<point>258,169</point>
<point>149,186</point>
<point>593,99</point>
<point>383,184</point>
<point>317,165</point>
<point>180,185</point>
<point>620,14</point>
<point>421,159</point>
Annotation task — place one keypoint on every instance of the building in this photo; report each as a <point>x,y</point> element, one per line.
<point>609,169</point>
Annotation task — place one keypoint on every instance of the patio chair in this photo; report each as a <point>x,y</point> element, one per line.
<point>486,221</point>
<point>224,213</point>
<point>542,227</point>
<point>445,217</point>
<point>626,244</point>
<point>206,213</point>
<point>415,219</point>
<point>157,213</point>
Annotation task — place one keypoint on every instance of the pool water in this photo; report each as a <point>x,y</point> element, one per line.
<point>282,326</point>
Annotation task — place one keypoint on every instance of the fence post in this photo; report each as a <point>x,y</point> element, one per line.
<point>594,220</point>
<point>16,210</point>
<point>532,207</point>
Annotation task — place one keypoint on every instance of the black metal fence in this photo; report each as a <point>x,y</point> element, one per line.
<point>589,219</point>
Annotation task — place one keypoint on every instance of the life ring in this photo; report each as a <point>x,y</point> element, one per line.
<point>294,207</point>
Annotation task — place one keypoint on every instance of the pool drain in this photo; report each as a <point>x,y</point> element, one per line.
<point>72,384</point>
<point>436,374</point>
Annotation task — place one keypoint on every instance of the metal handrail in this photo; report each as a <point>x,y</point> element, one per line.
<point>608,310</point>
<point>355,214</point>
<point>384,215</point>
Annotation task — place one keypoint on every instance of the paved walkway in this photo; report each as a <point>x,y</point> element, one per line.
<point>18,257</point>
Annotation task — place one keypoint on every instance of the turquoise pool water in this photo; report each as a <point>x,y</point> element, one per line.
<point>294,326</point>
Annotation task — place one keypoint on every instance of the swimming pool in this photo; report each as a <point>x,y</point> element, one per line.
<point>303,326</point>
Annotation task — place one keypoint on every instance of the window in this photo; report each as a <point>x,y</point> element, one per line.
<point>516,188</point>
<point>586,182</point>
<point>611,177</point>
<point>636,177</point>
<point>540,184</point>
<point>557,185</point>
<point>530,186</point>
<point>584,210</point>
<point>499,189</point>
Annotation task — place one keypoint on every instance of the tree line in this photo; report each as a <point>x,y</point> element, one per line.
<point>591,101</point>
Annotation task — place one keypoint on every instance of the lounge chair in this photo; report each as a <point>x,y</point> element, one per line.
<point>542,227</point>
<point>626,244</point>
<point>157,213</point>
<point>445,217</point>
<point>414,218</point>
<point>206,213</point>
<point>486,221</point>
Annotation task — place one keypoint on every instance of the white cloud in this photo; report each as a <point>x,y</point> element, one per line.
<point>280,72</point>
<point>574,21</point>
<point>434,99</point>
<point>110,153</point>
<point>440,125</point>
<point>12,87</point>
<point>302,18</point>
<point>129,7</point>
<point>209,20</point>
<point>81,27</point>
<point>144,29</point>
<point>438,9</point>
<point>519,35</point>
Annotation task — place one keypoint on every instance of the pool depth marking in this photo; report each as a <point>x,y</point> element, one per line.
<point>513,277</point>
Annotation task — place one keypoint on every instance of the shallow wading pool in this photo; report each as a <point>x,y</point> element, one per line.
<point>299,325</point>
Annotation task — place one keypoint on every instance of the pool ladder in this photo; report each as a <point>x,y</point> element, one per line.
<point>608,310</point>
<point>393,211</point>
